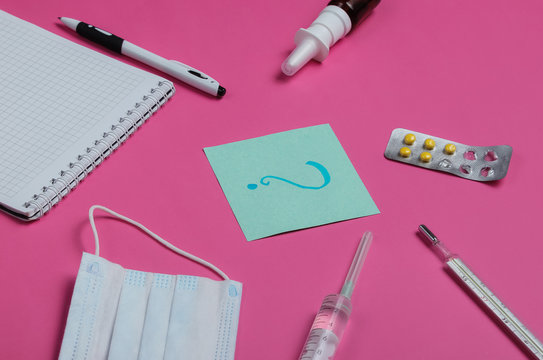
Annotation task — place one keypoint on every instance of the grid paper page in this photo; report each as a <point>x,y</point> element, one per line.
<point>52,93</point>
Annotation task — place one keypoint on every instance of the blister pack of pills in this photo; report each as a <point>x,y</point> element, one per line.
<point>480,163</point>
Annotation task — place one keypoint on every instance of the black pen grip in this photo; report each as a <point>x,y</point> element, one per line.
<point>112,42</point>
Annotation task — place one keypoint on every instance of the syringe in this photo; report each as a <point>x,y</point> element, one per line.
<point>488,299</point>
<point>331,320</point>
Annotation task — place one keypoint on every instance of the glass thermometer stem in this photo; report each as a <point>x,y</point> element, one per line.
<point>488,299</point>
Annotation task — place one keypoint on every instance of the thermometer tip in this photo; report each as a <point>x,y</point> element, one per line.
<point>429,235</point>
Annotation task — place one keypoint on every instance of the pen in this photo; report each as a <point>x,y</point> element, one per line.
<point>174,68</point>
<point>491,303</point>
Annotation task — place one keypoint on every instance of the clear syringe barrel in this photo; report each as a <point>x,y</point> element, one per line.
<point>327,329</point>
<point>331,320</point>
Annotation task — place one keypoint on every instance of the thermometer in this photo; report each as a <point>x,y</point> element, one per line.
<point>488,299</point>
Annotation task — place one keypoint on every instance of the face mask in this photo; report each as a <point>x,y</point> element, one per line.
<point>121,314</point>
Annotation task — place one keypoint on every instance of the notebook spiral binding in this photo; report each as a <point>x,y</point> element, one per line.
<point>102,148</point>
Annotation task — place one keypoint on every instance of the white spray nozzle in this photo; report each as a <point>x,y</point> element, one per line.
<point>315,42</point>
<point>305,51</point>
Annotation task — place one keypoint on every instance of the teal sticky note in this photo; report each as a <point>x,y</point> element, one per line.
<point>288,181</point>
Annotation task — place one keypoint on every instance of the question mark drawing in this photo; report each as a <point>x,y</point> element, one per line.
<point>325,174</point>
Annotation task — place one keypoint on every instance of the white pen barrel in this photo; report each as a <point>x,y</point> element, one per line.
<point>146,57</point>
<point>176,69</point>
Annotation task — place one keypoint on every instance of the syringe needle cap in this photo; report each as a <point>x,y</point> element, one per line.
<point>356,265</point>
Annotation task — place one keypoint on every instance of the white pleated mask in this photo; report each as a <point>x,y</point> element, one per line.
<point>121,314</point>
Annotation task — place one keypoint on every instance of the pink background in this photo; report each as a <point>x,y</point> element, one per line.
<point>469,71</point>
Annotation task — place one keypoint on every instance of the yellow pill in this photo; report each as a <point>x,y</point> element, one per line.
<point>429,144</point>
<point>450,149</point>
<point>409,139</point>
<point>405,152</point>
<point>425,156</point>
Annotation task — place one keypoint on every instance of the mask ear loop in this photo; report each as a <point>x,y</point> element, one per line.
<point>150,233</point>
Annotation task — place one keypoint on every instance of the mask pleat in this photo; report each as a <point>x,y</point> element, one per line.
<point>157,318</point>
<point>82,317</point>
<point>193,328</point>
<point>129,323</point>
<point>228,322</point>
<point>107,307</point>
<point>92,310</point>
<point>180,331</point>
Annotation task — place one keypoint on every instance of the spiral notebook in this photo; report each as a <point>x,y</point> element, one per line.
<point>64,108</point>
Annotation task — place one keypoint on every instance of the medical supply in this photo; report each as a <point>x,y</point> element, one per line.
<point>333,315</point>
<point>332,24</point>
<point>480,163</point>
<point>429,144</point>
<point>405,152</point>
<point>503,315</point>
<point>450,149</point>
<point>118,313</point>
<point>425,156</point>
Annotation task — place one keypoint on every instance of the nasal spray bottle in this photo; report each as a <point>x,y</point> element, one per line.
<point>332,24</point>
